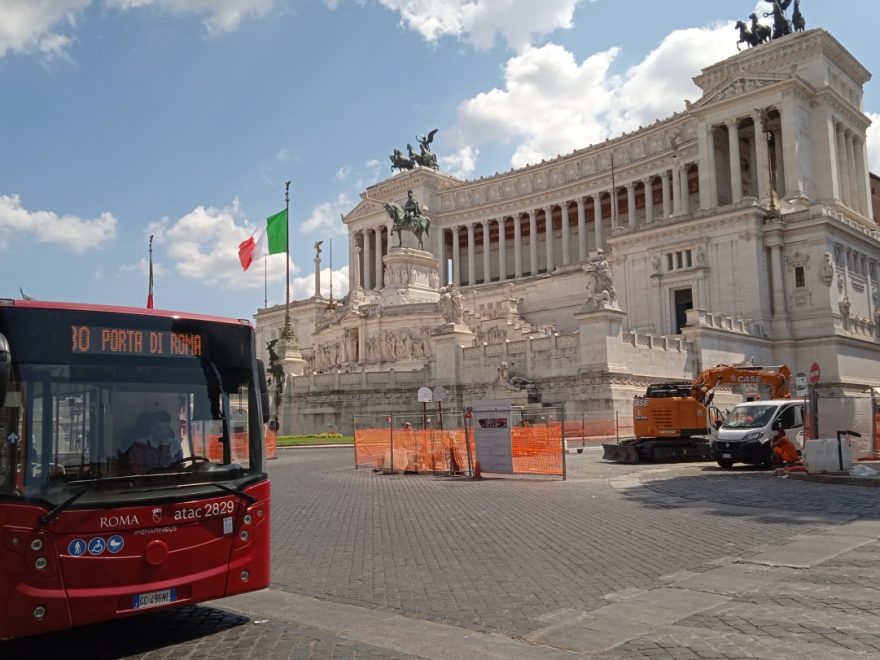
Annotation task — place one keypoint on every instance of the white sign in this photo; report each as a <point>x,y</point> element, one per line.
<point>425,395</point>
<point>439,393</point>
<point>491,427</point>
<point>800,383</point>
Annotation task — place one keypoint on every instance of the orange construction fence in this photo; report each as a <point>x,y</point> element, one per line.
<point>536,449</point>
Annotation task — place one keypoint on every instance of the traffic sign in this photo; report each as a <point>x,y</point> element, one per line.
<point>439,393</point>
<point>800,383</point>
<point>814,373</point>
<point>425,395</point>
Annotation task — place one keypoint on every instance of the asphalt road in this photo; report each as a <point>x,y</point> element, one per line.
<point>619,561</point>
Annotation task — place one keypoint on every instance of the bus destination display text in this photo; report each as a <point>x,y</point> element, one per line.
<point>126,341</point>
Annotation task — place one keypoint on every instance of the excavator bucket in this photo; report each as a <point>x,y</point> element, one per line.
<point>620,453</point>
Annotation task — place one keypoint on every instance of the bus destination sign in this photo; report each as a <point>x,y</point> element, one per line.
<point>93,340</point>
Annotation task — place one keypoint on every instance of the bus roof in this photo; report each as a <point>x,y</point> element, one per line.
<point>143,311</point>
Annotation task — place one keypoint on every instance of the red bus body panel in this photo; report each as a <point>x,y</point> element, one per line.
<point>200,548</point>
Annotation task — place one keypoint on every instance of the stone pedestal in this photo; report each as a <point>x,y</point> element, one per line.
<point>447,342</point>
<point>601,335</point>
<point>411,276</point>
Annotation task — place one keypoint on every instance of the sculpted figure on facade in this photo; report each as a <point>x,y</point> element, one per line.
<point>451,304</point>
<point>600,284</point>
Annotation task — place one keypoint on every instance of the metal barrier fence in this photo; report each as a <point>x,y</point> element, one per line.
<point>827,414</point>
<point>417,443</point>
<point>592,428</point>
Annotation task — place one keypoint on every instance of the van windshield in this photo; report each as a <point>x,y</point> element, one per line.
<point>749,417</point>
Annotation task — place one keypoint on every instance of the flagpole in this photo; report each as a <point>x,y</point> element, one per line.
<point>150,293</point>
<point>287,332</point>
<point>265,285</point>
<point>331,271</point>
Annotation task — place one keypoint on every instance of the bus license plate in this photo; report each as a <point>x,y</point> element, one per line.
<point>153,599</point>
<point>726,456</point>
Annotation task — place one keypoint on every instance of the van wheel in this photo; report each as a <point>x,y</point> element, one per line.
<point>726,463</point>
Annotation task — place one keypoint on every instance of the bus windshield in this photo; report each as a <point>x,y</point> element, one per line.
<point>137,404</point>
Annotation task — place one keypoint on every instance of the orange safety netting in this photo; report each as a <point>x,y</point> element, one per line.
<point>536,449</point>
<point>415,450</point>
<point>271,443</point>
<point>598,429</point>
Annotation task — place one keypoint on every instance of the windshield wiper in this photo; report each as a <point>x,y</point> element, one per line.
<point>250,499</point>
<point>46,518</point>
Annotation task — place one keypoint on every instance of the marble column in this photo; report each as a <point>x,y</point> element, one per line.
<point>864,189</point>
<point>676,189</point>
<point>356,271</point>
<point>565,230</point>
<point>471,279</point>
<point>368,260</point>
<point>667,194</point>
<point>533,242</point>
<point>487,273</point>
<point>685,195</point>
<point>736,185</point>
<point>648,186</point>
<point>598,222</point>
<point>377,255</point>
<point>762,171</point>
<point>843,165</point>
<point>853,177</point>
<point>502,248</point>
<point>517,245</point>
<point>548,236</point>
<point>442,257</point>
<point>582,229</point>
<point>631,204</point>
<point>456,256</point>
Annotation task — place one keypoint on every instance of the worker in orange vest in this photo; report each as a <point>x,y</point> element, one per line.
<point>785,453</point>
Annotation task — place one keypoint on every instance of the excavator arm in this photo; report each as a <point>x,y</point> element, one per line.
<point>777,378</point>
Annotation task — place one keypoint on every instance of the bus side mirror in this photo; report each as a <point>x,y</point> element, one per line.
<point>264,391</point>
<point>5,367</point>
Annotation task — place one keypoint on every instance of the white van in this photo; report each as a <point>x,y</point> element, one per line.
<point>744,436</point>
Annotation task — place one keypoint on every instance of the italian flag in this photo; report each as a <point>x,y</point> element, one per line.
<point>271,238</point>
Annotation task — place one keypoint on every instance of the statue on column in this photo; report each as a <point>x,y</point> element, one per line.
<point>276,369</point>
<point>601,293</point>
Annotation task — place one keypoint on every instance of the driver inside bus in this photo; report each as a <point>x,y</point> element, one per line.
<point>157,445</point>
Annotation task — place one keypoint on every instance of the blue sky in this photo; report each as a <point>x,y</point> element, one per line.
<point>183,118</point>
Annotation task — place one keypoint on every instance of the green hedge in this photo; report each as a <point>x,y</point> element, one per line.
<point>316,439</point>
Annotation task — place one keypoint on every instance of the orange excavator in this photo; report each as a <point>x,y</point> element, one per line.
<point>672,421</point>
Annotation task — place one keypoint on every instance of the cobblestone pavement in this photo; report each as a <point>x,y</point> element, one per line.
<point>619,561</point>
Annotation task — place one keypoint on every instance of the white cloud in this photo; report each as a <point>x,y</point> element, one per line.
<point>480,22</point>
<point>30,26</point>
<point>342,173</point>
<point>222,15</point>
<point>873,143</point>
<point>282,155</point>
<point>461,163</point>
<point>304,287</point>
<point>203,245</point>
<point>551,104</point>
<point>325,217</point>
<point>75,233</point>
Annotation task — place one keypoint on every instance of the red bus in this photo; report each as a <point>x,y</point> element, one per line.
<point>132,466</point>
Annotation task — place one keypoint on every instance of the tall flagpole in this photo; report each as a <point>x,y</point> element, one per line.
<point>150,292</point>
<point>265,285</point>
<point>331,271</point>
<point>287,331</point>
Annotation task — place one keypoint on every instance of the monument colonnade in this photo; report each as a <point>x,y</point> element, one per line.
<point>507,246</point>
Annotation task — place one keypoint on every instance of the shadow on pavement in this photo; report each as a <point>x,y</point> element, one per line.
<point>126,637</point>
